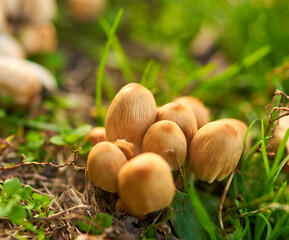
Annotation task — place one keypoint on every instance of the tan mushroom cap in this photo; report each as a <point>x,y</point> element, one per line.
<point>166,139</point>
<point>145,183</point>
<point>103,164</point>
<point>242,127</point>
<point>86,10</point>
<point>131,113</point>
<point>96,135</point>
<point>214,151</point>
<point>18,81</point>
<point>182,115</point>
<point>202,113</point>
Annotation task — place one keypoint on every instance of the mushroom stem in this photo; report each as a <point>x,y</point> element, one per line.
<point>220,208</point>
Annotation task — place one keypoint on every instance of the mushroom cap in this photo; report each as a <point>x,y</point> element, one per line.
<point>9,46</point>
<point>242,127</point>
<point>86,10</point>
<point>103,164</point>
<point>202,113</point>
<point>131,113</point>
<point>166,139</point>
<point>182,115</point>
<point>129,149</point>
<point>145,183</point>
<point>214,151</point>
<point>32,11</point>
<point>39,38</point>
<point>18,81</point>
<point>278,134</point>
<point>96,135</point>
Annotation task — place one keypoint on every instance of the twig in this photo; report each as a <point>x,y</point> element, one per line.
<point>67,163</point>
<point>220,208</point>
<point>57,215</point>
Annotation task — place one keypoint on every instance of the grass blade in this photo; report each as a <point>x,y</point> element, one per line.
<point>268,226</point>
<point>264,153</point>
<point>120,53</point>
<point>101,68</point>
<point>280,151</point>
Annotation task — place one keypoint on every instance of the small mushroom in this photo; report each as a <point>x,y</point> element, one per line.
<point>96,135</point>
<point>103,164</point>
<point>39,38</point>
<point>278,134</point>
<point>18,83</point>
<point>202,113</point>
<point>145,183</point>
<point>129,149</point>
<point>9,46</point>
<point>85,10</point>
<point>32,11</point>
<point>3,22</point>
<point>214,151</point>
<point>131,113</point>
<point>182,115</point>
<point>166,139</point>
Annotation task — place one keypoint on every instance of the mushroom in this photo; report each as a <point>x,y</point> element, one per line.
<point>9,46</point>
<point>242,127</point>
<point>166,139</point>
<point>96,135</point>
<point>103,164</point>
<point>131,113</point>
<point>85,10</point>
<point>202,113</point>
<point>18,83</point>
<point>145,183</point>
<point>39,38</point>
<point>214,151</point>
<point>32,11</point>
<point>181,115</point>
<point>278,134</point>
<point>120,205</point>
<point>129,149</point>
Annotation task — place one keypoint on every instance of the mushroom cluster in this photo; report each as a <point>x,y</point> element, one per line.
<point>25,28</point>
<point>141,144</point>
<point>31,23</point>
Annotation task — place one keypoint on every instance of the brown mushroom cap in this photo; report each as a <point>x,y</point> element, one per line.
<point>202,113</point>
<point>19,82</point>
<point>103,164</point>
<point>182,115</point>
<point>242,127</point>
<point>129,149</point>
<point>166,139</point>
<point>96,135</point>
<point>278,134</point>
<point>131,113</point>
<point>214,151</point>
<point>145,183</point>
<point>85,10</point>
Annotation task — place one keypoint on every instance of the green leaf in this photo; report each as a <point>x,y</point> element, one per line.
<point>26,192</point>
<point>17,214</point>
<point>37,196</point>
<point>57,140</point>
<point>34,140</point>
<point>103,220</point>
<point>83,130</point>
<point>72,138</point>
<point>12,186</point>
<point>185,221</point>
<point>45,199</point>
<point>2,113</point>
